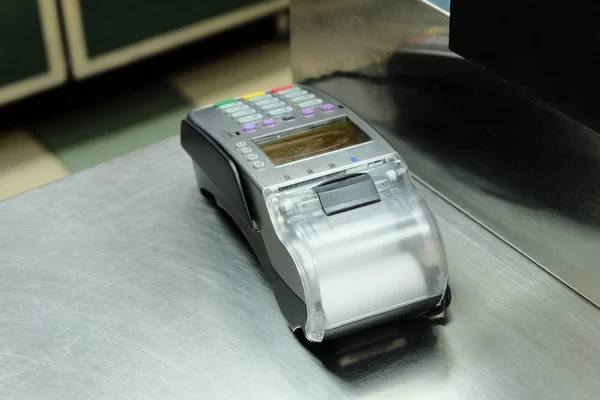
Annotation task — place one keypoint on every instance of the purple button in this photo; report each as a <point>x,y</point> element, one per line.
<point>249,127</point>
<point>327,107</point>
<point>307,112</point>
<point>269,122</point>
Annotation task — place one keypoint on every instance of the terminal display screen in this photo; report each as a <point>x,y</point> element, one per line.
<point>284,149</point>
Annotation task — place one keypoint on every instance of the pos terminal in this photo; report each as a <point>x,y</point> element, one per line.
<point>327,205</point>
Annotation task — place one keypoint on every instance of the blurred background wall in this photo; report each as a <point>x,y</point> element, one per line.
<point>84,81</point>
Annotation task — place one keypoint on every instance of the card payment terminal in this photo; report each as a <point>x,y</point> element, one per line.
<point>327,205</point>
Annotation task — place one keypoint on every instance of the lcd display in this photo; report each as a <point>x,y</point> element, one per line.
<point>313,142</point>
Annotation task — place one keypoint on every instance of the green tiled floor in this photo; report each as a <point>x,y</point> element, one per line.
<point>91,135</point>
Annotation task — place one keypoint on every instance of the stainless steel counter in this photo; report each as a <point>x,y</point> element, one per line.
<point>121,282</point>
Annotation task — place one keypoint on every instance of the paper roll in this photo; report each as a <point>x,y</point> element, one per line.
<point>365,290</point>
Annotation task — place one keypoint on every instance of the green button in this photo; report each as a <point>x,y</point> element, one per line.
<point>221,103</point>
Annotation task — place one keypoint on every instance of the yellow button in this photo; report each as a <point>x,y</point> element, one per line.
<point>251,95</point>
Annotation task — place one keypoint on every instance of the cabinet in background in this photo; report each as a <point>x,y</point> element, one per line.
<point>106,34</point>
<point>31,52</point>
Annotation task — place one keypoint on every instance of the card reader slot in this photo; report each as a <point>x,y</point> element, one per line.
<point>217,165</point>
<point>310,181</point>
<point>347,193</point>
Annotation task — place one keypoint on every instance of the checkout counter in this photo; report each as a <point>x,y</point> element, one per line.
<point>138,288</point>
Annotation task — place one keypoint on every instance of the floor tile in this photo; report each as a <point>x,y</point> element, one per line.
<point>261,67</point>
<point>132,119</point>
<point>25,164</point>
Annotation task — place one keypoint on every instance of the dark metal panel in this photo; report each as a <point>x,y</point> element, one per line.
<point>551,49</point>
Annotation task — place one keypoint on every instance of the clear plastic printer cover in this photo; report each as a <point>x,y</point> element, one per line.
<point>359,263</point>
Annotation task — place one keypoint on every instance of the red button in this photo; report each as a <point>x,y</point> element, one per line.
<point>277,89</point>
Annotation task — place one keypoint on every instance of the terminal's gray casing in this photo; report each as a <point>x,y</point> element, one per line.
<point>346,245</point>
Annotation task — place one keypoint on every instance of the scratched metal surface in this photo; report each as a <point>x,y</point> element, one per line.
<point>121,282</point>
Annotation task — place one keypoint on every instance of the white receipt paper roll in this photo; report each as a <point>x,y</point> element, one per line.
<point>361,291</point>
